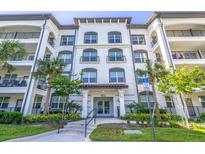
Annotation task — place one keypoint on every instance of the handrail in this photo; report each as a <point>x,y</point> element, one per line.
<point>94,111</point>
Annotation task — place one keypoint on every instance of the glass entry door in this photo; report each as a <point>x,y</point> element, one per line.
<point>18,105</point>
<point>104,106</point>
<point>190,107</point>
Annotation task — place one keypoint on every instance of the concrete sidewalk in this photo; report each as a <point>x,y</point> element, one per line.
<point>72,132</point>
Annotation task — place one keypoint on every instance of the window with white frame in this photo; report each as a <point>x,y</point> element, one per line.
<point>143,98</point>
<point>169,101</point>
<point>115,55</point>
<point>140,56</point>
<point>65,57</point>
<point>67,40</point>
<point>117,75</point>
<point>140,79</point>
<point>37,102</point>
<point>4,102</point>
<point>90,37</point>
<point>114,37</point>
<point>138,39</point>
<point>89,75</point>
<point>89,55</point>
<point>57,102</point>
<point>202,101</point>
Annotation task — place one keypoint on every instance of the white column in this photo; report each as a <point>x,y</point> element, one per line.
<point>85,104</point>
<point>122,102</point>
<point>164,45</point>
<point>30,90</point>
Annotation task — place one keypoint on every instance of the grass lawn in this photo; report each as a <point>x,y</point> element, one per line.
<point>114,132</point>
<point>15,131</point>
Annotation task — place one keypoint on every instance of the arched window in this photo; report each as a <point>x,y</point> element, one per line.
<point>143,98</point>
<point>65,57</point>
<point>115,55</point>
<point>89,75</point>
<point>90,37</point>
<point>114,37</point>
<point>117,75</point>
<point>140,56</point>
<point>89,55</point>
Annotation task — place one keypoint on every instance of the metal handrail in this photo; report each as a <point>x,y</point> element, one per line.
<point>87,122</point>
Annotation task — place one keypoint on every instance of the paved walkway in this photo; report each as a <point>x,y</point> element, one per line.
<point>72,132</point>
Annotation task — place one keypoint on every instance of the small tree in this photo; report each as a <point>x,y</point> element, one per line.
<point>10,50</point>
<point>49,70</point>
<point>65,87</point>
<point>182,81</point>
<point>154,71</point>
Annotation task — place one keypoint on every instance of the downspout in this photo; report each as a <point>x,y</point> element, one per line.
<point>133,62</point>
<point>35,62</point>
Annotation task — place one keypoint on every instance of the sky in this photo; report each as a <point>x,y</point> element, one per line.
<point>66,17</point>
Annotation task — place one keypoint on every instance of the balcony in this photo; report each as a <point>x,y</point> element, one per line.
<point>94,60</point>
<point>116,59</point>
<point>186,35</point>
<point>188,57</point>
<point>27,61</point>
<point>13,85</point>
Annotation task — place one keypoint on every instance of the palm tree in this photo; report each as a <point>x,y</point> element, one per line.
<point>154,71</point>
<point>10,50</point>
<point>49,70</point>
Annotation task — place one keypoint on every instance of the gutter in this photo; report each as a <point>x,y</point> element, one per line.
<point>35,62</point>
<point>136,82</point>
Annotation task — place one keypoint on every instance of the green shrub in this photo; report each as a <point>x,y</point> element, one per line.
<point>74,117</point>
<point>10,117</point>
<point>40,118</point>
<point>146,117</point>
<point>174,124</point>
<point>202,117</point>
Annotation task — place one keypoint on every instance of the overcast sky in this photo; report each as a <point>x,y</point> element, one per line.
<point>66,17</point>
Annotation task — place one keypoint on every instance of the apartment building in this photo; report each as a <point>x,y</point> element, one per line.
<point>107,51</point>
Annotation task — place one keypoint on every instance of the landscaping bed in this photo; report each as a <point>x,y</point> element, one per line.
<point>11,131</point>
<point>115,132</point>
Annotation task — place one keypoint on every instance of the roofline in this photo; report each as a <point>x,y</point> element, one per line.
<point>175,14</point>
<point>129,19</point>
<point>46,16</point>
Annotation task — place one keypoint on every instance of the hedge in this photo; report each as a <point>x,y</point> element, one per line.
<point>10,117</point>
<point>146,117</point>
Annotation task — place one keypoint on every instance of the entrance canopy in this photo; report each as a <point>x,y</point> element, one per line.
<point>105,86</point>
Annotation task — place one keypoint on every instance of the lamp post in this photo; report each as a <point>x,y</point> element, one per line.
<point>147,88</point>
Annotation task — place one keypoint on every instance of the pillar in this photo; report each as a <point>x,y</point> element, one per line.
<point>85,104</point>
<point>122,102</point>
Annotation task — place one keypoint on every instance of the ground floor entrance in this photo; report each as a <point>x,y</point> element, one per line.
<point>104,106</point>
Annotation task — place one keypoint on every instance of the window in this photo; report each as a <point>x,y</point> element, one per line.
<point>65,57</point>
<point>140,79</point>
<point>140,56</point>
<point>56,102</point>
<point>202,101</point>
<point>169,101</point>
<point>143,98</point>
<point>114,37</point>
<point>89,55</point>
<point>138,39</point>
<point>89,75</point>
<point>67,40</point>
<point>115,55</point>
<point>90,37</point>
<point>37,102</point>
<point>4,102</point>
<point>117,75</point>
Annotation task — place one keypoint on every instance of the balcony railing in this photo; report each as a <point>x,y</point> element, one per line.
<point>89,59</point>
<point>19,35</point>
<point>10,109</point>
<point>185,33</point>
<point>27,58</point>
<point>185,55</point>
<point>116,59</point>
<point>15,82</point>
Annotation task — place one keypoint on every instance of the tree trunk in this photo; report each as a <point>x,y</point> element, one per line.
<point>46,105</point>
<point>156,101</point>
